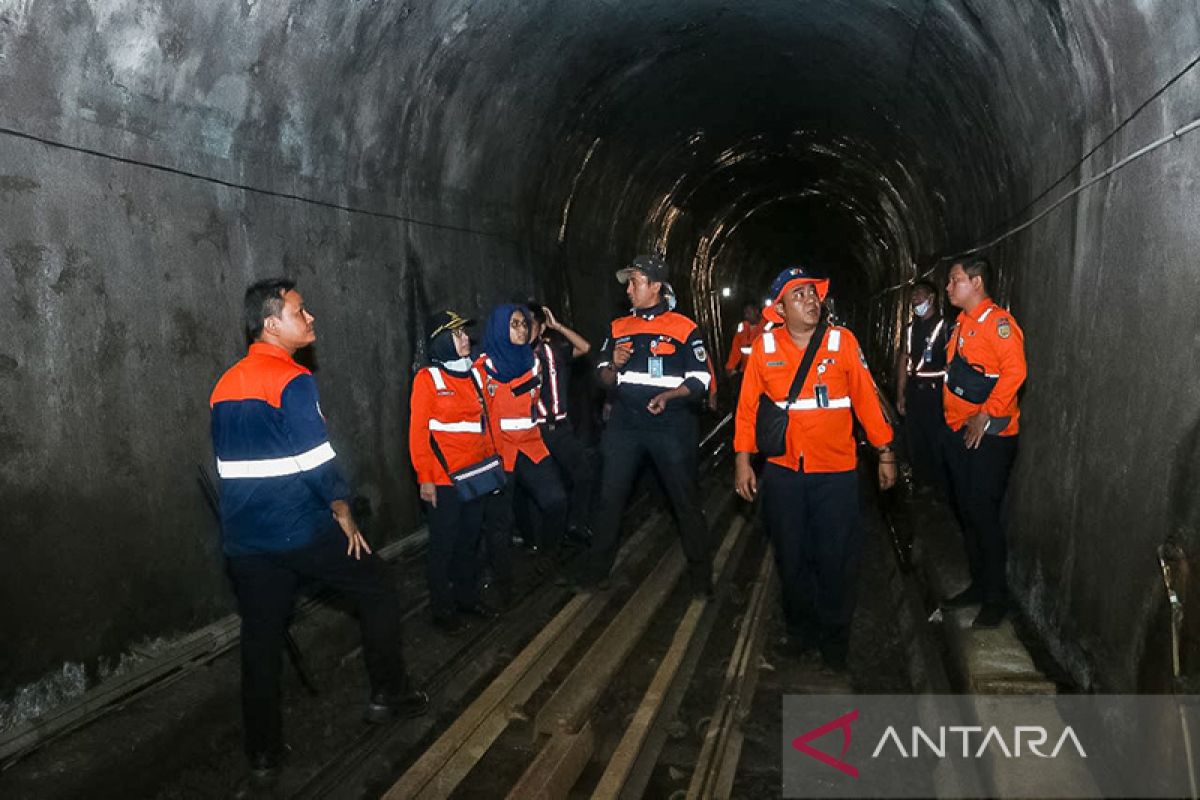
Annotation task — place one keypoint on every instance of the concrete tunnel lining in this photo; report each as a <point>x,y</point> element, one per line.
<point>534,148</point>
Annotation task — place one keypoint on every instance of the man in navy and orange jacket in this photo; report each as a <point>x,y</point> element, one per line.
<point>656,363</point>
<point>285,519</point>
<point>810,493</point>
<point>985,367</point>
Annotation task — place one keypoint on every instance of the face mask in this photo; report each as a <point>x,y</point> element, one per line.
<point>922,308</point>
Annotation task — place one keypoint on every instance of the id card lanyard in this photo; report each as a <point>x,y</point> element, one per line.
<point>820,390</point>
<point>654,364</point>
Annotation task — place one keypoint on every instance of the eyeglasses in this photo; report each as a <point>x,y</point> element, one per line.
<point>518,323</point>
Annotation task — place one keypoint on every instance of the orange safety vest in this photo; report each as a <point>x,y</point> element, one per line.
<point>823,437</point>
<point>447,408</point>
<point>991,339</point>
<point>743,340</point>
<point>512,410</point>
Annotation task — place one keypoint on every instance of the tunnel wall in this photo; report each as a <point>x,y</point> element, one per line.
<point>459,152</point>
<point>1105,287</point>
<point>122,283</point>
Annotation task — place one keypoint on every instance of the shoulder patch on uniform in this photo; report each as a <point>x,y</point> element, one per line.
<point>698,350</point>
<point>1003,329</point>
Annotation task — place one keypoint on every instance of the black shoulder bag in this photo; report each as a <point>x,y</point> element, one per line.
<point>770,426</point>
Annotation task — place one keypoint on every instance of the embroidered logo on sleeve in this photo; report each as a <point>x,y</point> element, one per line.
<point>1003,329</point>
<point>698,350</point>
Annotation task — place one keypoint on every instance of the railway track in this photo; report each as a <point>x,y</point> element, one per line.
<point>353,770</point>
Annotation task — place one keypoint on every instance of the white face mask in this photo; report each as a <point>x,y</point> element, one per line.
<point>921,308</point>
<point>459,364</point>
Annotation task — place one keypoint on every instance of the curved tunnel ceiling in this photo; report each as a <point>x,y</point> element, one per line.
<point>399,156</point>
<point>854,136</point>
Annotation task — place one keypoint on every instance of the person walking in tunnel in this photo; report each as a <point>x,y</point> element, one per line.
<point>654,360</point>
<point>554,355</point>
<point>285,519</point>
<point>815,373</point>
<point>748,330</point>
<point>513,390</point>
<point>985,369</point>
<point>920,369</point>
<point>448,437</point>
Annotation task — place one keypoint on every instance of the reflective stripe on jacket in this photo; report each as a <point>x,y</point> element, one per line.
<point>823,436</point>
<point>991,340</point>
<point>447,408</point>
<point>274,460</point>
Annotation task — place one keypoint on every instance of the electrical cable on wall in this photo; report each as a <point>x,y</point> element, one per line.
<point>247,188</point>
<point>1178,133</point>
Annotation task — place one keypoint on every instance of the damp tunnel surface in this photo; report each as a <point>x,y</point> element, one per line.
<point>397,157</point>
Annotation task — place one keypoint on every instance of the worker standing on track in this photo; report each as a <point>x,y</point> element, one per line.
<point>655,360</point>
<point>512,389</point>
<point>985,369</point>
<point>920,371</point>
<point>810,502</point>
<point>554,356</point>
<point>447,436</point>
<point>285,519</point>
<point>749,329</point>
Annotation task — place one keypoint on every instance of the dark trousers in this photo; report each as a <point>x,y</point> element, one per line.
<point>452,562</point>
<point>924,423</point>
<point>543,485</point>
<point>575,473</point>
<point>672,450</point>
<point>813,522</point>
<point>266,583</point>
<point>979,479</point>
<point>572,459</point>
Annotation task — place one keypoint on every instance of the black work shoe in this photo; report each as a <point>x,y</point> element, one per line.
<point>479,610</point>
<point>264,770</point>
<point>702,588</point>
<point>794,646</point>
<point>581,534</point>
<point>833,656</point>
<point>969,596</point>
<point>447,623</point>
<point>384,707</point>
<point>990,615</point>
<point>588,587</point>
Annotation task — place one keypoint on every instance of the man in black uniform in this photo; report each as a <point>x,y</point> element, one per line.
<point>919,375</point>
<point>656,363</point>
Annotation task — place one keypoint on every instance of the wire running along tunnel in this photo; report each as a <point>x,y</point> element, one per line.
<point>398,156</point>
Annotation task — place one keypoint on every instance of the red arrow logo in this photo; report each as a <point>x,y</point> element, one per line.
<point>843,722</point>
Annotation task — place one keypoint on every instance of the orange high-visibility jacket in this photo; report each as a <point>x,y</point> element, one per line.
<point>512,411</point>
<point>824,437</point>
<point>989,338</point>
<point>743,340</point>
<point>446,407</point>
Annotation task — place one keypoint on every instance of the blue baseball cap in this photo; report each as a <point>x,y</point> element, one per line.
<point>784,282</point>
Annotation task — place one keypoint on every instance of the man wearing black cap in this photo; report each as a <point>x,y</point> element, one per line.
<point>655,360</point>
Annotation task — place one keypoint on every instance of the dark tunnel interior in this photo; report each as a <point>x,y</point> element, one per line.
<point>398,157</point>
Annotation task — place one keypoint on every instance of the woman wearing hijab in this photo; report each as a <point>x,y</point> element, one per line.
<point>512,389</point>
<point>447,434</point>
